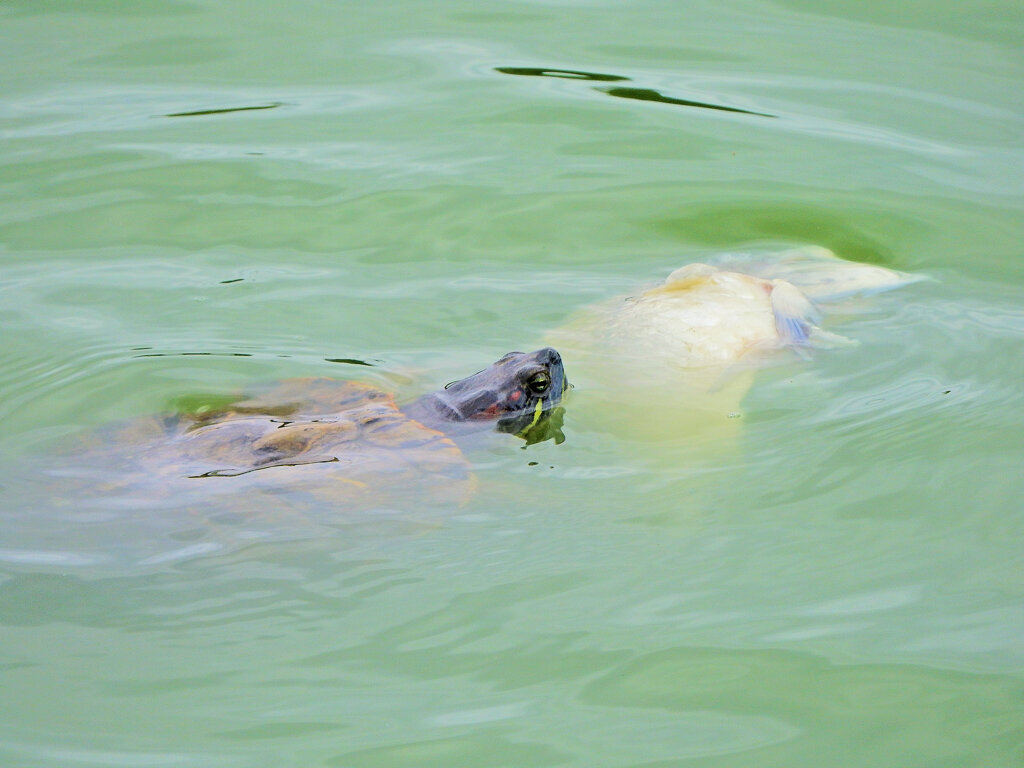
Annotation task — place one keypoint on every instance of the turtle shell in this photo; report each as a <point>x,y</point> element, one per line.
<point>312,444</point>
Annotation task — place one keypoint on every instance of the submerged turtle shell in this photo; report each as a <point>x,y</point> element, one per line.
<point>308,442</point>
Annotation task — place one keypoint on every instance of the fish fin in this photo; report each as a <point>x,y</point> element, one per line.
<point>826,277</point>
<point>795,315</point>
<point>827,340</point>
<point>819,273</point>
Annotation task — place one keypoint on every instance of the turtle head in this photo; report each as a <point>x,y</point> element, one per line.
<point>518,393</point>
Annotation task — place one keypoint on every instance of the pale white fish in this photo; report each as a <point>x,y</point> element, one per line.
<point>687,345</point>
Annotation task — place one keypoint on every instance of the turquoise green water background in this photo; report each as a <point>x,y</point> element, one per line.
<point>842,586</point>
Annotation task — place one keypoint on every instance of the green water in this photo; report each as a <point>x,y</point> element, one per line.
<point>841,586</point>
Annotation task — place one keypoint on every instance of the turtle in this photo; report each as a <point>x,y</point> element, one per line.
<point>339,444</point>
<point>689,345</point>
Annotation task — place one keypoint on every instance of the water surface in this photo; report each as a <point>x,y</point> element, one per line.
<point>199,198</point>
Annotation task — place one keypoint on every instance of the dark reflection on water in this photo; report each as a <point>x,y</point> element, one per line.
<point>639,94</point>
<point>569,74</point>
<point>195,354</point>
<point>647,94</point>
<point>225,110</point>
<point>343,360</point>
<point>347,361</point>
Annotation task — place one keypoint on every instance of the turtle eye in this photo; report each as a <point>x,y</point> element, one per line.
<point>539,383</point>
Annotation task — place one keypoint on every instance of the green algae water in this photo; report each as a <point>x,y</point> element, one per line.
<point>199,199</point>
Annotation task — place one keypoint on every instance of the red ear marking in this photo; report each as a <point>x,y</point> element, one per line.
<point>490,412</point>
